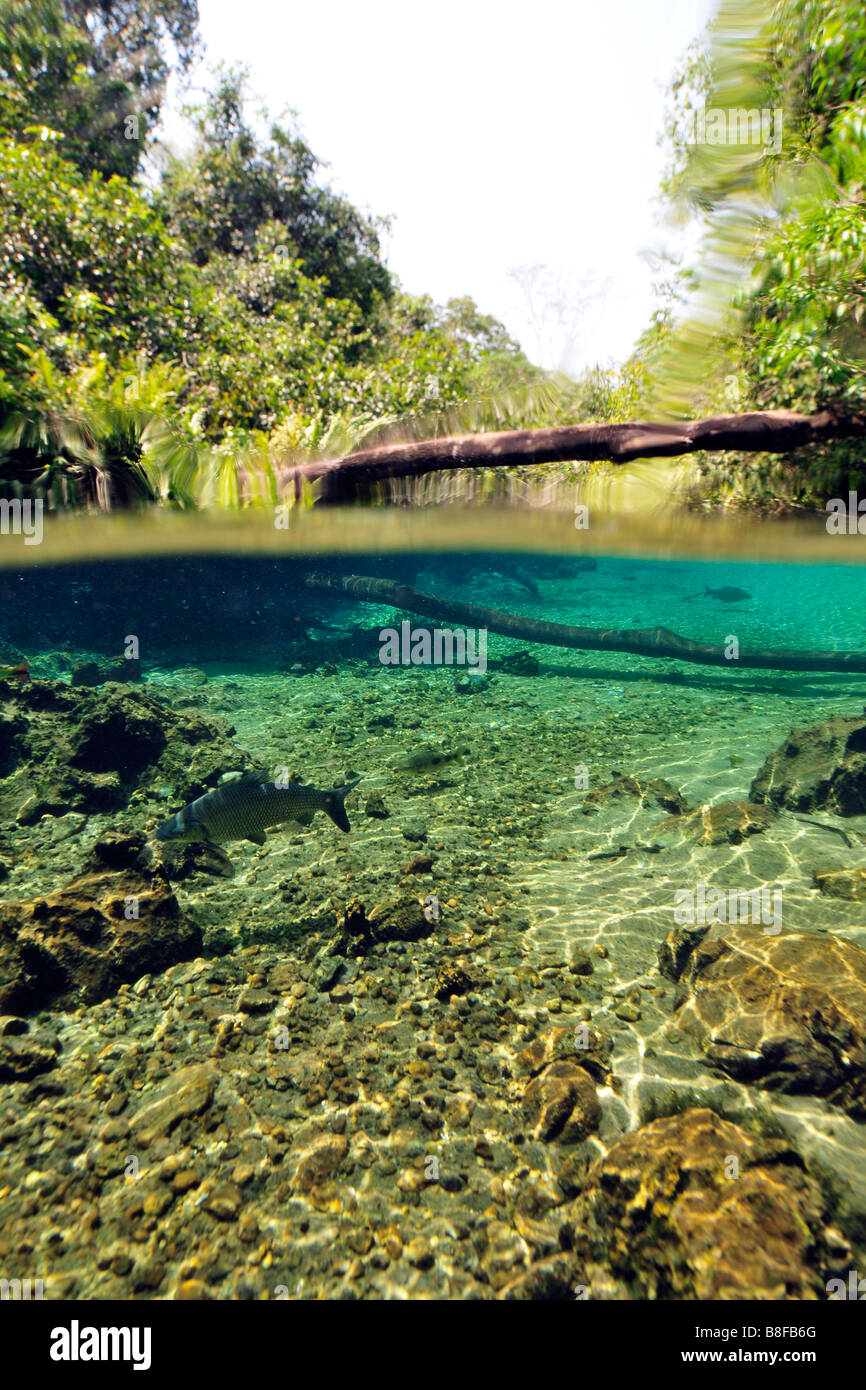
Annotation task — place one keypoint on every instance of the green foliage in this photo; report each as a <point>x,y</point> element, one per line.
<point>777,321</point>
<point>183,344</point>
<point>86,260</point>
<point>90,74</point>
<point>234,185</point>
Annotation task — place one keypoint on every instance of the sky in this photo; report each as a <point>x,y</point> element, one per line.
<point>514,147</point>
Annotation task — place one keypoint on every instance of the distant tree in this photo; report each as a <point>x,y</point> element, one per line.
<point>235,183</point>
<point>481,333</point>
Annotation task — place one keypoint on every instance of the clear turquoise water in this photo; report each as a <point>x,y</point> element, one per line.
<point>536,886</point>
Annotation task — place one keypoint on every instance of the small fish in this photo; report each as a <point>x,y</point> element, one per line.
<point>622,850</point>
<point>728,594</point>
<point>245,808</point>
<point>15,673</point>
<point>429,757</point>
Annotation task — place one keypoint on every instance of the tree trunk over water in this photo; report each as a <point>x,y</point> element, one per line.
<point>770,431</point>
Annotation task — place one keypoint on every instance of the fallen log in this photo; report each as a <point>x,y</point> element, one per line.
<point>654,641</point>
<point>760,431</point>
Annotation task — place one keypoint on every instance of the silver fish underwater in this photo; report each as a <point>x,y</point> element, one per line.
<point>245,808</point>
<point>727,594</point>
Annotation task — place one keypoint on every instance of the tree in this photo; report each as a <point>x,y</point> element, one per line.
<point>235,184</point>
<point>778,318</point>
<point>91,74</point>
<point>92,254</point>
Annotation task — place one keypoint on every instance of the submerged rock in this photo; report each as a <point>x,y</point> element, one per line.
<point>654,791</point>
<point>842,883</point>
<point>375,807</point>
<point>694,1207</point>
<point>22,1058</point>
<point>93,673</point>
<point>726,823</point>
<point>77,945</point>
<point>521,664</point>
<point>786,1011</point>
<point>64,748</point>
<point>819,768</point>
<point>562,1104</point>
<point>419,864</point>
<point>401,918</point>
<point>188,1092</point>
<point>320,1160</point>
<point>453,977</point>
<point>590,1047</point>
<point>471,682</point>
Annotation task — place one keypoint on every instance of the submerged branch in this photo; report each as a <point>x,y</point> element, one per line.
<point>654,641</point>
<point>760,431</point>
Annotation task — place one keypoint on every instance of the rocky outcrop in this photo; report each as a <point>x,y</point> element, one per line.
<point>116,921</point>
<point>65,748</point>
<point>819,768</point>
<point>694,1207</point>
<point>786,1011</point>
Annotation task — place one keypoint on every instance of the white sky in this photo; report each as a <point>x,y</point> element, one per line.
<point>498,136</point>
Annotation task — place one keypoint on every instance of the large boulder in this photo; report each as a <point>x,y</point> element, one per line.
<point>118,920</point>
<point>819,768</point>
<point>787,1011</point>
<point>694,1207</point>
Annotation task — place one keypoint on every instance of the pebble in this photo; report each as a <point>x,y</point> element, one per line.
<point>320,1160</point>
<point>188,1092</point>
<point>419,1253</point>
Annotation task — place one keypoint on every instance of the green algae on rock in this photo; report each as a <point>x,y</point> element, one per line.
<point>65,748</point>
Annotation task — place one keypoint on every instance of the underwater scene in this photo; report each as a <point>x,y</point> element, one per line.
<point>369,929</point>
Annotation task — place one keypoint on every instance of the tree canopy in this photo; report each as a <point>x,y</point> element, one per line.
<point>237,306</point>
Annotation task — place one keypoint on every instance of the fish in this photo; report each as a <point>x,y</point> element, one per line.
<point>728,594</point>
<point>427,756</point>
<point>20,672</point>
<point>246,807</point>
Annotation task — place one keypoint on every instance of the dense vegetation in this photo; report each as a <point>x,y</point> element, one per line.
<point>777,320</point>
<point>232,308</point>
<point>179,327</point>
